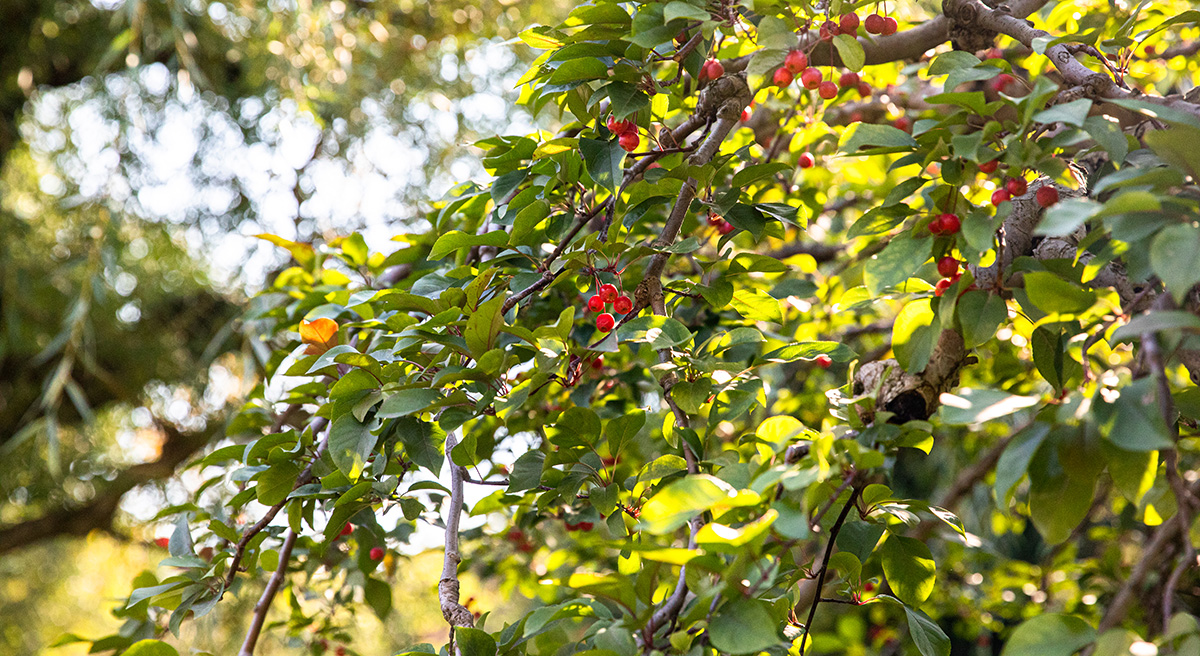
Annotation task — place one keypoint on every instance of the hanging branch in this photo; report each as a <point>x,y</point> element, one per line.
<point>833,533</point>
<point>455,613</point>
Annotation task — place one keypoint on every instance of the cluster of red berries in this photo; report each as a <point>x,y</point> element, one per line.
<point>948,268</point>
<point>520,541</point>
<point>724,227</point>
<point>945,225</point>
<point>876,24</point>
<point>607,295</point>
<point>796,64</point>
<point>626,132</point>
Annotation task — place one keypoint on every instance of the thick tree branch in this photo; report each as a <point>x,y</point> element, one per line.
<point>98,514</point>
<point>455,613</point>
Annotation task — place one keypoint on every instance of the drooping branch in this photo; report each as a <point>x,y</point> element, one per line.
<point>100,511</point>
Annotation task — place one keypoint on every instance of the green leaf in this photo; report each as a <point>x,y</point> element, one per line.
<point>683,499</point>
<point>1071,113</point>
<point>422,442</point>
<point>1052,294</point>
<point>837,351</point>
<point>980,314</point>
<point>577,70</point>
<point>1132,421</point>
<point>378,596</point>
<point>744,626</point>
<point>474,642</point>
<point>622,430</point>
<point>1063,218</point>
<point>483,325</point>
<point>976,406</point>
<point>926,634</point>
<point>626,98</point>
<point>659,332</point>
<point>909,568</point>
<point>576,427</point>
<point>150,648</point>
<point>1109,135</point>
<point>1175,256</point>
<point>1014,462</point>
<point>1156,322</point>
<point>276,483</point>
<point>851,51</point>
<point>895,264</point>
<point>181,543</point>
<point>407,402</point>
<point>455,240</point>
<point>350,443</point>
<point>526,471</point>
<point>1049,634</point>
<point>603,160</point>
<point>756,172</point>
<point>757,305</point>
<point>680,9</point>
<point>948,62</point>
<point>860,135</point>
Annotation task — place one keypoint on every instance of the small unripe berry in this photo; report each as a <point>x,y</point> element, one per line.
<point>848,80</point>
<point>1016,186</point>
<point>605,322</point>
<point>629,141</point>
<point>623,304</point>
<point>827,90</point>
<point>874,24</point>
<point>950,224</point>
<point>811,78</point>
<point>999,196</point>
<point>947,266</point>
<point>377,553</point>
<point>1047,196</point>
<point>783,77</point>
<point>941,286</point>
<point>829,29</point>
<point>596,304</point>
<point>989,167</point>
<point>795,61</point>
<point>889,26</point>
<point>608,292</point>
<point>823,361</point>
<point>806,161</point>
<point>848,24</point>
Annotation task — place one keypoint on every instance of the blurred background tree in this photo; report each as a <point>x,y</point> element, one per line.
<point>141,143</point>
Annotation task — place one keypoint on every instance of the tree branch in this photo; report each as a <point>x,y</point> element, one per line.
<point>833,533</point>
<point>268,595</point>
<point>455,613</point>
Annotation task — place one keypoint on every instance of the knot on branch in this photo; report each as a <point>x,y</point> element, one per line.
<point>1097,84</point>
<point>455,613</point>
<point>912,396</point>
<point>966,33</point>
<point>725,97</point>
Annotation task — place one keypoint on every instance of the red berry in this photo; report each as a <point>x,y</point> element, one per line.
<point>608,292</point>
<point>621,127</point>
<point>874,24</point>
<point>725,228</point>
<point>829,29</point>
<point>889,26</point>
<point>947,266</point>
<point>1047,196</point>
<point>623,304</point>
<point>848,79</point>
<point>935,226</point>
<point>999,196</point>
<point>855,116</point>
<point>795,61</point>
<point>714,220</point>
<point>864,89</point>
<point>1150,51</point>
<point>823,361</point>
<point>827,90</point>
<point>745,117</point>
<point>994,53</point>
<point>612,124</point>
<point>811,78</point>
<point>605,322</point>
<point>163,542</point>
<point>585,526</point>
<point>713,69</point>
<point>903,123</point>
<point>869,586</point>
<point>806,161</point>
<point>598,362</point>
<point>341,651</point>
<point>950,224</point>
<point>346,530</point>
<point>1016,186</point>
<point>596,304</point>
<point>377,553</point>
<point>629,141</point>
<point>989,167</point>
<point>848,24</point>
<point>783,77</point>
<point>941,286</point>
<point>1001,82</point>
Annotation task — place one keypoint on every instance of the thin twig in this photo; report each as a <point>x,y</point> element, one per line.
<point>268,595</point>
<point>833,533</point>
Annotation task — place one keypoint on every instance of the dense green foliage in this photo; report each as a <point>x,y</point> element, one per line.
<point>811,432</point>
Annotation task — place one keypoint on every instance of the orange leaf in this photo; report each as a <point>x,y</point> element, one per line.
<point>319,334</point>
